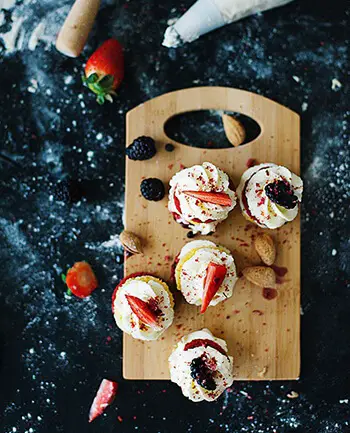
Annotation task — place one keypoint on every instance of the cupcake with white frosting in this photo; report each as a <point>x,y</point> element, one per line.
<point>205,273</point>
<point>143,306</point>
<point>201,366</point>
<point>200,197</point>
<point>270,195</point>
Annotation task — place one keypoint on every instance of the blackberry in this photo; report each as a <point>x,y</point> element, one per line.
<point>281,193</point>
<point>152,189</point>
<point>169,147</point>
<point>68,191</point>
<point>202,374</point>
<point>141,148</point>
<point>190,234</point>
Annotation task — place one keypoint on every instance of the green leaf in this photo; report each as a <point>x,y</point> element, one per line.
<point>69,292</point>
<point>91,79</point>
<point>100,99</point>
<point>106,82</point>
<point>63,278</point>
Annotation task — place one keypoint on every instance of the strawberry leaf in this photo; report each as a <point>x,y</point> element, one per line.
<point>63,278</point>
<point>106,82</point>
<point>100,99</point>
<point>91,79</point>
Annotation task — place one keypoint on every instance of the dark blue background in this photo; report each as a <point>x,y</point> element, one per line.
<point>54,350</point>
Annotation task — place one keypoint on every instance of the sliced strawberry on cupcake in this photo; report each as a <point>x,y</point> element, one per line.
<point>201,197</point>
<point>104,71</point>
<point>143,310</point>
<point>219,198</point>
<point>204,342</point>
<point>143,306</point>
<point>81,280</point>
<point>104,397</point>
<point>205,273</point>
<point>214,278</point>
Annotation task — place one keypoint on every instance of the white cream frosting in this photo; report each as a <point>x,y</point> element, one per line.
<point>265,212</point>
<point>128,322</point>
<point>194,270</point>
<point>206,177</point>
<point>180,361</point>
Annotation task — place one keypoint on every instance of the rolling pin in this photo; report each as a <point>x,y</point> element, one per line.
<point>75,30</point>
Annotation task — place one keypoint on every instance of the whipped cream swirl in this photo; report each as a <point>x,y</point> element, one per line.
<point>257,203</point>
<point>190,271</point>
<point>148,289</point>
<point>219,364</point>
<point>201,217</point>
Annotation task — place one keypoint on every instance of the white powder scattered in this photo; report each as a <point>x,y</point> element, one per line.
<point>304,106</point>
<point>334,252</point>
<point>113,242</point>
<point>13,39</point>
<point>295,78</point>
<point>336,84</point>
<point>36,35</point>
<point>7,4</point>
<point>68,79</point>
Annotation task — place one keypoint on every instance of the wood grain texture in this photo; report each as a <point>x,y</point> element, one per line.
<point>77,26</point>
<point>262,335</point>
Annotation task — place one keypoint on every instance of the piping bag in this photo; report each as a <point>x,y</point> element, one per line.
<point>205,16</point>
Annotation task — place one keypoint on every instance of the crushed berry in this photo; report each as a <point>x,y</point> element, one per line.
<point>154,307</point>
<point>190,235</point>
<point>281,193</point>
<point>202,374</point>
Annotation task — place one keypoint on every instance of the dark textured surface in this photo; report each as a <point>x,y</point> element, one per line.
<point>54,349</point>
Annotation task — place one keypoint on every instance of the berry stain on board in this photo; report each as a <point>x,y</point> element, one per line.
<point>269,293</point>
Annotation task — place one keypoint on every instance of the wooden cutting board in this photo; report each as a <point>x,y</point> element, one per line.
<point>263,335</point>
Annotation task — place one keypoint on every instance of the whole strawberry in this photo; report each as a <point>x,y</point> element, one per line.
<point>104,71</point>
<point>81,279</point>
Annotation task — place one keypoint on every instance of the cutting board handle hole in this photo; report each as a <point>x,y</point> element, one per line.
<point>204,129</point>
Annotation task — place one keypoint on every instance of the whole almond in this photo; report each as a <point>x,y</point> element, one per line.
<point>234,130</point>
<point>260,276</point>
<point>130,242</point>
<point>266,249</point>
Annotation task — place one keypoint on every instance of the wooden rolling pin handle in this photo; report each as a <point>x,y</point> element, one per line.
<point>75,30</point>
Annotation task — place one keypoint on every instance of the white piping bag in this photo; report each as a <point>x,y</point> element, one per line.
<point>207,15</point>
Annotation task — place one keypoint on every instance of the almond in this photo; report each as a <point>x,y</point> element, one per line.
<point>234,130</point>
<point>260,275</point>
<point>266,249</point>
<point>130,242</point>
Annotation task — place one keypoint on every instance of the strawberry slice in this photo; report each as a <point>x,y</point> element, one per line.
<point>104,70</point>
<point>212,282</point>
<point>142,310</point>
<point>104,397</point>
<point>81,279</point>
<point>134,275</point>
<point>211,197</point>
<point>199,342</point>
